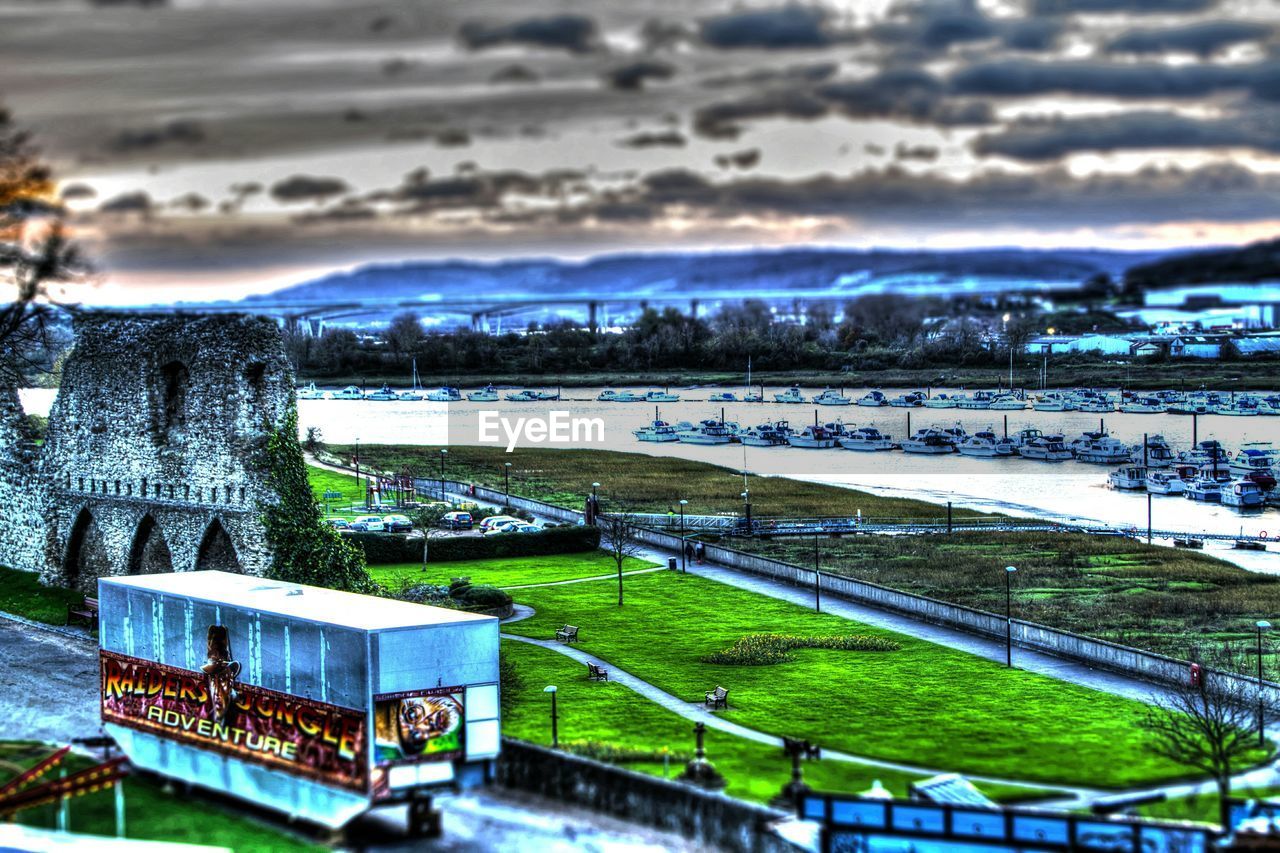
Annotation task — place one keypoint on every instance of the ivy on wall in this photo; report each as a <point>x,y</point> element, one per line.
<point>303,548</point>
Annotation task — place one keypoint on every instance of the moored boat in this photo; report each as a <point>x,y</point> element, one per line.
<point>1129,478</point>
<point>832,397</point>
<point>487,394</point>
<point>873,399</point>
<point>1045,448</point>
<point>812,437</point>
<point>867,438</point>
<point>985,444</point>
<point>791,395</point>
<point>1243,494</point>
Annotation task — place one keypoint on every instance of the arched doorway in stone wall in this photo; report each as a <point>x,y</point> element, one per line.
<point>149,554</point>
<point>86,557</point>
<point>217,551</point>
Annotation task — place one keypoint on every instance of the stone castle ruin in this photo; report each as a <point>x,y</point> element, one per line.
<point>147,464</point>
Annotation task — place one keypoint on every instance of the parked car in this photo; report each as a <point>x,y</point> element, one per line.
<point>516,526</point>
<point>369,523</point>
<point>456,520</point>
<point>397,523</point>
<point>496,520</point>
<point>338,523</point>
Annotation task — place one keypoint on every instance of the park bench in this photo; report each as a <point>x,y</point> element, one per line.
<point>87,612</point>
<point>567,634</point>
<point>595,672</point>
<point>718,698</point>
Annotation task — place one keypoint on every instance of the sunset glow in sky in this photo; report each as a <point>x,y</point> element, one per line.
<point>214,148</point>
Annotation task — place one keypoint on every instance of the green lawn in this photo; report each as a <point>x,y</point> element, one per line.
<point>923,704</point>
<point>506,572</point>
<point>323,480</point>
<point>150,814</point>
<point>1202,808</point>
<point>607,713</point>
<point>648,483</point>
<point>22,593</point>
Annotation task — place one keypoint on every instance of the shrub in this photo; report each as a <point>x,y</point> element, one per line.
<point>481,597</point>
<point>384,548</point>
<point>768,649</point>
<point>556,540</point>
<point>612,753</point>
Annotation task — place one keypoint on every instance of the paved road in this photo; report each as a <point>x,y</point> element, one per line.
<point>48,684</point>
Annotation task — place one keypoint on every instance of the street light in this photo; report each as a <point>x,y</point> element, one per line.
<point>1262,625</point>
<point>555,733</point>
<point>684,554</point>
<point>506,481</point>
<point>1008,616</point>
<point>443,453</point>
<point>1005,318</point>
<point>357,466</point>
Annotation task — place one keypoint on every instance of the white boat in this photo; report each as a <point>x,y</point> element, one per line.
<point>1100,448</point>
<point>1254,457</point>
<point>657,431</point>
<point>1243,494</point>
<point>351,392</point>
<point>873,399</point>
<point>812,436</point>
<point>382,394</point>
<point>1143,406</point>
<point>980,400</point>
<point>608,395</point>
<point>1008,402</point>
<point>414,394</point>
<point>1096,405</point>
<point>867,438</point>
<point>940,401</point>
<point>765,435</point>
<point>831,397</point>
<point>1204,489</point>
<point>523,396</point>
<point>1239,409</point>
<point>546,395</point>
<point>445,394</point>
<point>1129,478</point>
<point>1164,482</point>
<point>913,400</point>
<point>709,431</point>
<point>752,397</point>
<point>930,440</point>
<point>723,397</point>
<point>1206,452</point>
<point>1158,453</point>
<point>487,394</point>
<point>311,392</point>
<point>1053,403</point>
<point>985,444</point>
<point>1045,448</point>
<point>791,395</point>
<point>661,397</point>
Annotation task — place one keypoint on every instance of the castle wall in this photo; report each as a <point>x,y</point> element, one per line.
<point>148,460</point>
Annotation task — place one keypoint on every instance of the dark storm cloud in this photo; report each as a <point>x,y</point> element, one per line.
<point>75,191</point>
<point>1016,77</point>
<point>649,139</point>
<point>905,93</point>
<point>307,188</point>
<point>190,202</point>
<point>723,120</point>
<point>922,153</point>
<point>574,33</point>
<point>809,73</point>
<point>181,132</point>
<point>350,210</point>
<point>1132,7</point>
<point>632,76</point>
<point>1053,139</point>
<point>134,202</point>
<point>938,25</point>
<point>513,74</point>
<point>1204,38</point>
<point>792,26</point>
<point>748,159</point>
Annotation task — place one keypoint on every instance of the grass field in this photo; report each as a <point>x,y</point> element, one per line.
<point>150,814</point>
<point>564,477</point>
<point>506,572</point>
<point>1202,808</point>
<point>923,704</point>
<point>22,593</point>
<point>1155,598</point>
<point>601,714</point>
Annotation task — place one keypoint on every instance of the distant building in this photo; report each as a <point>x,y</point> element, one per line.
<point>1049,344</point>
<point>1267,343</point>
<point>1197,346</point>
<point>1150,349</point>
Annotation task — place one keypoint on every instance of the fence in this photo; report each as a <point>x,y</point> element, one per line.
<point>1148,666</point>
<point>711,820</point>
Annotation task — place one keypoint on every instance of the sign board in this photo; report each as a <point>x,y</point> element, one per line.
<point>875,824</point>
<point>421,725</point>
<point>211,710</point>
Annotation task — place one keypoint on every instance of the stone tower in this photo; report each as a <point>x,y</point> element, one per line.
<point>148,463</point>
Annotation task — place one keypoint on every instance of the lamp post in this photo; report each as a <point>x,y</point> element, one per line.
<point>358,465</point>
<point>684,554</point>
<point>746,509</point>
<point>1008,615</point>
<point>595,502</point>
<point>443,453</point>
<point>1005,318</point>
<point>555,732</point>
<point>506,482</point>
<point>1261,625</point>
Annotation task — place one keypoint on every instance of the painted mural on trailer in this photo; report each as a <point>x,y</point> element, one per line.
<point>421,725</point>
<point>213,710</point>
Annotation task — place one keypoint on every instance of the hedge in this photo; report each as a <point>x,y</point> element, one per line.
<point>384,548</point>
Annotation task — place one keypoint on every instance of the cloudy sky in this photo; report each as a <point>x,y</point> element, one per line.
<point>212,148</point>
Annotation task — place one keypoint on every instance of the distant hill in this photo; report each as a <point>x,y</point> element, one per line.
<point>1255,262</point>
<point>736,274</point>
